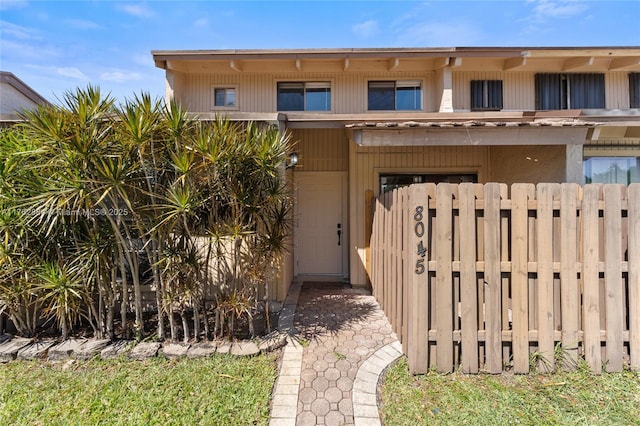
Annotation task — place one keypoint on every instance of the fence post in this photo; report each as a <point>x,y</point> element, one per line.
<point>444,279</point>
<point>417,279</point>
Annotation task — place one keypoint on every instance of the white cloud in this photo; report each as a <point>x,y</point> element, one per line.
<point>7,29</point>
<point>136,10</point>
<point>557,9</point>
<point>13,4</point>
<point>366,28</point>
<point>83,24</point>
<point>439,34</point>
<point>201,23</point>
<point>120,76</point>
<point>72,72</point>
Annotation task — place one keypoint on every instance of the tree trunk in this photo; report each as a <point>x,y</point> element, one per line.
<point>185,326</point>
<point>172,326</point>
<point>196,322</point>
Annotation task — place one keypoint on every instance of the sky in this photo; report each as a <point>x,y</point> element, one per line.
<point>57,46</point>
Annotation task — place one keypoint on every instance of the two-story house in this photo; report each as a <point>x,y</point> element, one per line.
<point>368,120</point>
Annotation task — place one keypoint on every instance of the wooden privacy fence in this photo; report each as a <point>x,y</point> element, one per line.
<point>471,278</point>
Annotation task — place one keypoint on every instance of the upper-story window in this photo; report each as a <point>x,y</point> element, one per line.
<point>224,97</point>
<point>486,95</point>
<point>304,96</point>
<point>569,91</point>
<point>403,95</point>
<point>634,90</point>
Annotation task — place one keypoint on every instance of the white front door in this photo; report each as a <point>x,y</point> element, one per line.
<point>321,224</point>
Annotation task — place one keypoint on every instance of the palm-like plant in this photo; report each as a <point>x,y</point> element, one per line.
<point>63,293</point>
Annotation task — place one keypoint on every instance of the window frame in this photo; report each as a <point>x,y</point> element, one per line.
<point>306,85</point>
<point>403,83</point>
<point>225,87</point>
<point>486,92</point>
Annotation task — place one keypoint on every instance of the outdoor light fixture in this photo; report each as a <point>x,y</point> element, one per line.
<point>293,160</point>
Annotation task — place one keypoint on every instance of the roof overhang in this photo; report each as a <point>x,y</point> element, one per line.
<point>556,59</point>
<point>471,136</point>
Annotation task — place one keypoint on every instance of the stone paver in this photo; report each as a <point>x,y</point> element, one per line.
<point>145,350</point>
<point>116,349</point>
<point>346,338</point>
<point>65,349</point>
<point>9,349</point>
<point>91,348</point>
<point>36,350</point>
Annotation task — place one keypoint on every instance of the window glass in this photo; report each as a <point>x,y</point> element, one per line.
<point>382,96</point>
<point>225,97</point>
<point>301,96</point>
<point>290,96</point>
<point>318,96</point>
<point>623,170</point>
<point>408,95</point>
<point>390,182</point>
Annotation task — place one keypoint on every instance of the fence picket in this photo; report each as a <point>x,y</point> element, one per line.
<point>590,277</point>
<point>613,195</point>
<point>444,283</point>
<point>418,330</point>
<point>520,193</point>
<point>468,281</point>
<point>544,234</point>
<point>569,286</point>
<point>492,278</point>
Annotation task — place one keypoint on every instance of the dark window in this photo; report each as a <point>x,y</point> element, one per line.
<point>569,91</point>
<point>301,96</point>
<point>634,90</point>
<point>392,181</point>
<point>486,95</point>
<point>395,95</point>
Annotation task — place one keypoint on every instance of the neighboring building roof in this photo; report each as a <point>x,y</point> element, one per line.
<point>19,97</point>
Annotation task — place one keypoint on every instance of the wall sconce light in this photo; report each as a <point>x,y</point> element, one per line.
<point>293,160</point>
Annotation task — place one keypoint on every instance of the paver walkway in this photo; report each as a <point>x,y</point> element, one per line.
<point>339,329</point>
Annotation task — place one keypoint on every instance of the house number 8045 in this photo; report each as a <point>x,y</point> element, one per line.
<point>419,230</point>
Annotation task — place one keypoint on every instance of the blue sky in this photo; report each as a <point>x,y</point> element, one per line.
<point>56,46</point>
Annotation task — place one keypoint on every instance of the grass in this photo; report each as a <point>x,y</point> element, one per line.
<point>578,398</point>
<point>213,391</point>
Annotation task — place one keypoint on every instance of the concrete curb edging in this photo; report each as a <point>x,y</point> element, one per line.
<point>365,385</point>
<point>284,404</point>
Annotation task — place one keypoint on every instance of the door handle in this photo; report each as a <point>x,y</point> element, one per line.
<point>339,233</point>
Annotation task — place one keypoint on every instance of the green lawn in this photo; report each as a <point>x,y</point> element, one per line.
<point>578,398</point>
<point>220,390</point>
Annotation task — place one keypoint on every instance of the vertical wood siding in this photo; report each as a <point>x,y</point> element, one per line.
<point>321,150</point>
<point>257,92</point>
